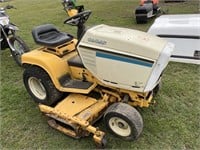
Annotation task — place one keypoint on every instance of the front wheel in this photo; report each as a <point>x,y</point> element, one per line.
<point>124,121</point>
<point>19,47</point>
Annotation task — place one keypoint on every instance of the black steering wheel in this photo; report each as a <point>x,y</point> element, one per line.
<point>78,19</point>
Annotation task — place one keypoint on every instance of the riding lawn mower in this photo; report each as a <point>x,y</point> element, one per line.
<point>71,8</point>
<point>107,72</point>
<point>146,10</point>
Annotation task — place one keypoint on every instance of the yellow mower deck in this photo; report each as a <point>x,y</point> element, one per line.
<point>75,115</point>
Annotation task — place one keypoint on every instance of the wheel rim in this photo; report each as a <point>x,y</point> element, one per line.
<point>119,126</point>
<point>19,49</point>
<point>37,88</point>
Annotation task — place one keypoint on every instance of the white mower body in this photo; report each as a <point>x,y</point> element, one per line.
<point>124,58</point>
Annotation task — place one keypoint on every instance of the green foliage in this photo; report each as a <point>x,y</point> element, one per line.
<point>173,123</point>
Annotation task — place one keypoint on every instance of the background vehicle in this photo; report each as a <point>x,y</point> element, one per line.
<point>71,8</point>
<point>184,31</point>
<point>9,39</point>
<point>146,10</point>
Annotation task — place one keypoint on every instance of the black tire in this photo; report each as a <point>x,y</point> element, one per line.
<point>40,87</point>
<point>124,121</point>
<point>20,48</point>
<point>4,44</point>
<point>157,89</point>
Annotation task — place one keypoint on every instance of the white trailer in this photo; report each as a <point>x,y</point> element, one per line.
<point>184,32</point>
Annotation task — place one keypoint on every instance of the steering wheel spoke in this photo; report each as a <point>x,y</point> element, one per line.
<point>78,19</point>
<point>73,22</point>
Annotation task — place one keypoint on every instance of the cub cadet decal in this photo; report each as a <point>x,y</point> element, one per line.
<point>97,41</point>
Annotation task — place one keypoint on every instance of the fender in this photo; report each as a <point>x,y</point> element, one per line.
<point>12,26</point>
<point>55,66</point>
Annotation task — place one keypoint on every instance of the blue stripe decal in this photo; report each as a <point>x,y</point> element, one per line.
<point>124,59</point>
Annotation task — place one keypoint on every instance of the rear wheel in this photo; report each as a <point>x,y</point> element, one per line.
<point>20,48</point>
<point>124,121</point>
<point>40,86</point>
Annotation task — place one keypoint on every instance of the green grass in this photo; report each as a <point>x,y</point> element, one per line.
<point>173,123</point>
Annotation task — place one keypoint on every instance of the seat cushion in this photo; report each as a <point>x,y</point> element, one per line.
<point>47,35</point>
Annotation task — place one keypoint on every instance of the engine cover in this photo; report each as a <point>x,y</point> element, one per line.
<point>124,58</point>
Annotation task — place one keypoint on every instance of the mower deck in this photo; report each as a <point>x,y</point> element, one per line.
<point>75,115</point>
